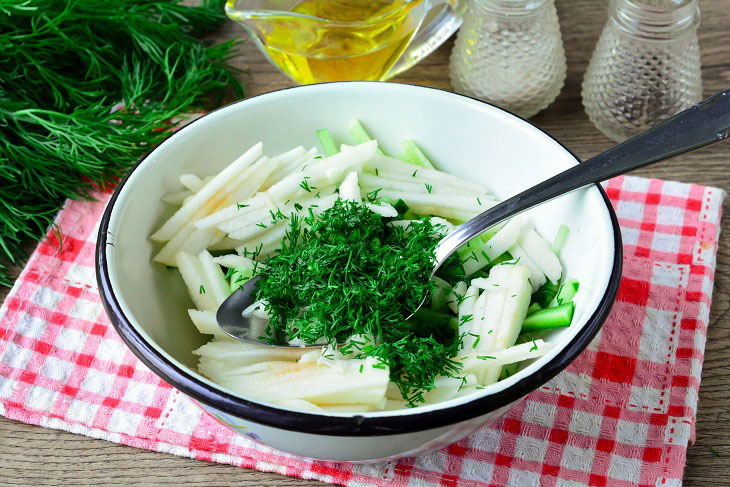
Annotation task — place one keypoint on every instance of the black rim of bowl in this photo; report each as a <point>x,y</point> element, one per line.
<point>355,425</point>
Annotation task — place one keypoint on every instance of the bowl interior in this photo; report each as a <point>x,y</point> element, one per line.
<point>462,136</point>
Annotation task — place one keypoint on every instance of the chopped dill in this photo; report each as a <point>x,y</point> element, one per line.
<point>429,188</point>
<point>372,196</point>
<point>347,273</point>
<point>202,289</point>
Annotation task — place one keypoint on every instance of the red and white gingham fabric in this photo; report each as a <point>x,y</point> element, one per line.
<point>622,414</point>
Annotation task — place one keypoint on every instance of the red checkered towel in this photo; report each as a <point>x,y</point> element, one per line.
<point>622,414</point>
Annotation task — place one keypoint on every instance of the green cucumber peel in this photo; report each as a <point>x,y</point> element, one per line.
<point>360,135</point>
<point>328,143</point>
<point>545,319</point>
<point>414,155</point>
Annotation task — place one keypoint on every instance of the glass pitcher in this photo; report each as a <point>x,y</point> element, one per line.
<point>314,41</point>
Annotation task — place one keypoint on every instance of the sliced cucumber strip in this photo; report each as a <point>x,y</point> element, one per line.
<point>544,319</point>
<point>360,135</point>
<point>566,293</point>
<point>559,239</point>
<point>413,154</point>
<point>328,143</point>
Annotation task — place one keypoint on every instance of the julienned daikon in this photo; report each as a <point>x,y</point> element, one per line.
<point>488,310</point>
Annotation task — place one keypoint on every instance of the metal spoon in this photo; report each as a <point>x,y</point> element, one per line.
<point>703,124</point>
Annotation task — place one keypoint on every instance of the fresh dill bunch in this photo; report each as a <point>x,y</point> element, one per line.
<point>347,273</point>
<point>86,88</point>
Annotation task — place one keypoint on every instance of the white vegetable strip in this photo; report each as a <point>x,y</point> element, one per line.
<point>242,186</point>
<point>323,172</point>
<point>541,253</point>
<point>271,240</point>
<point>446,226</point>
<point>194,277</point>
<point>489,319</point>
<point>475,260</point>
<point>395,405</point>
<point>319,384</point>
<point>467,304</point>
<point>241,354</point>
<point>517,353</point>
<point>259,227</point>
<point>253,307</point>
<point>436,201</point>
<point>390,167</point>
<point>392,392</point>
<point>466,308</point>
<point>277,231</point>
<point>238,209</point>
<point>288,166</point>
<point>438,298</point>
<point>446,388</point>
<point>537,278</point>
<point>215,279</point>
<point>236,262</point>
<point>246,185</point>
<point>293,154</point>
<point>507,292</point>
<point>241,223</point>
<point>191,181</point>
<point>416,185</point>
<point>267,241</point>
<point>208,192</point>
<point>262,214</point>
<point>515,280</point>
<point>206,324</point>
<point>505,238</point>
<point>490,374</point>
<point>176,197</point>
<point>189,240</point>
<point>171,248</point>
<point>383,209</point>
<point>349,189</point>
<point>224,244</point>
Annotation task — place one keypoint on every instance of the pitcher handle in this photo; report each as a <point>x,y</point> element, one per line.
<point>438,25</point>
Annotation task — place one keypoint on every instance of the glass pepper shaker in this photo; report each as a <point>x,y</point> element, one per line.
<point>510,53</point>
<point>646,66</point>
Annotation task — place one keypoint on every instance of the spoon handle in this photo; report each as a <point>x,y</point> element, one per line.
<point>703,124</point>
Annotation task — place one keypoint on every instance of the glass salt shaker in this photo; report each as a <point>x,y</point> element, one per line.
<point>646,66</point>
<point>510,53</point>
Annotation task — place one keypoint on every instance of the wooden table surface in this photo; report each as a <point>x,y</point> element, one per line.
<point>30,455</point>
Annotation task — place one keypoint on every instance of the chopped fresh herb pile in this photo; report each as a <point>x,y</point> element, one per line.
<point>351,274</point>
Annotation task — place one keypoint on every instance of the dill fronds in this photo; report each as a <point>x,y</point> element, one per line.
<point>86,88</point>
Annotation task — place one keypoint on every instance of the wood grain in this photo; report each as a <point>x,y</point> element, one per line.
<point>31,455</point>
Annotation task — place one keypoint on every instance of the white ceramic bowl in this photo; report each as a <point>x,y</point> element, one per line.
<point>147,302</point>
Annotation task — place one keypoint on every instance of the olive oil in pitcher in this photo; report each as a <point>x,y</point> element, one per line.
<point>335,40</point>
